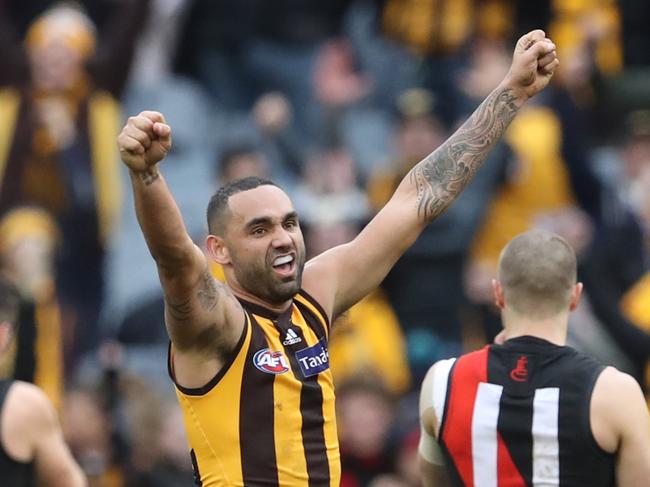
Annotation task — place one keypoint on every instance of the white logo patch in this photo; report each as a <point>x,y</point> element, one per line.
<point>291,338</point>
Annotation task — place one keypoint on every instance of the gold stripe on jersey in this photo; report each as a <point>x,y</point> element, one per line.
<point>255,424</point>
<point>214,449</point>
<point>315,309</point>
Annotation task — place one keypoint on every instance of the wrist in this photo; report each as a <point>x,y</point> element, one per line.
<point>516,90</point>
<point>148,176</point>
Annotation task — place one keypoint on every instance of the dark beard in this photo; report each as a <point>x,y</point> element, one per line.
<point>259,283</point>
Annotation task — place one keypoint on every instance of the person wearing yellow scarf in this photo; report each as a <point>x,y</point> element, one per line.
<point>28,237</point>
<point>58,124</point>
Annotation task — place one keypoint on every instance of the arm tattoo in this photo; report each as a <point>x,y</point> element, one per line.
<point>207,296</point>
<point>208,293</point>
<point>149,176</point>
<point>441,176</point>
<point>180,311</point>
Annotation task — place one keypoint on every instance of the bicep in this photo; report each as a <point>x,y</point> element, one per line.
<point>196,304</point>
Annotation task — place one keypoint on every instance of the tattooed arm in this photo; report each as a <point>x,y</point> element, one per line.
<point>441,176</point>
<point>203,319</point>
<point>343,275</point>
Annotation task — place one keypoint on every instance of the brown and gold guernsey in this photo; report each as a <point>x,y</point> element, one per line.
<point>267,418</point>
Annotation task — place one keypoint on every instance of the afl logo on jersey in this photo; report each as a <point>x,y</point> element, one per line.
<point>270,362</point>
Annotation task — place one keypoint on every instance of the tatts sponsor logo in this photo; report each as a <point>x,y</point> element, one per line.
<point>270,362</point>
<point>314,360</point>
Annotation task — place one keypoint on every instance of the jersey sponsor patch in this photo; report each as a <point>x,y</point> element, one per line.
<point>314,360</point>
<point>270,362</point>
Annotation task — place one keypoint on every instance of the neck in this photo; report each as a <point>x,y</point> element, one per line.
<point>241,293</point>
<point>552,329</point>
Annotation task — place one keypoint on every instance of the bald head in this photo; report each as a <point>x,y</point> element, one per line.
<point>537,270</point>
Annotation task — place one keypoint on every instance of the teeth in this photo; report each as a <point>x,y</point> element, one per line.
<point>283,260</point>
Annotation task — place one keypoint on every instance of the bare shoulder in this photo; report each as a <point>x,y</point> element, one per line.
<point>28,402</point>
<point>616,387</point>
<point>616,402</point>
<point>319,280</point>
<point>26,413</point>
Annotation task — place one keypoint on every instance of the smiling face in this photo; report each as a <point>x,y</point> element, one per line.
<point>262,244</point>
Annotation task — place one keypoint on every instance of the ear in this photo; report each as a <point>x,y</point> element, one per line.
<point>497,288</point>
<point>576,294</point>
<point>217,249</point>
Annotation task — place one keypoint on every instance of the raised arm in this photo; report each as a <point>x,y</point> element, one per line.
<point>203,319</point>
<point>343,275</point>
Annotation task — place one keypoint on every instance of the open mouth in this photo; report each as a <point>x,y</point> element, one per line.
<point>284,265</point>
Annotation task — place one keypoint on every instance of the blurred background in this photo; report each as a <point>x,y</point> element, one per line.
<point>335,100</point>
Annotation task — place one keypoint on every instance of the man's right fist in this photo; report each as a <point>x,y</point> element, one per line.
<point>144,141</point>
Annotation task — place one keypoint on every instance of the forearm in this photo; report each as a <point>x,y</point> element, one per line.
<point>160,220</point>
<point>436,181</point>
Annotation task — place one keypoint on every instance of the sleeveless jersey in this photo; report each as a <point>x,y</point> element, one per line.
<point>12,473</point>
<point>517,415</point>
<point>267,418</point>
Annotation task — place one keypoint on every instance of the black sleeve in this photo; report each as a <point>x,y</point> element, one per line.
<point>25,362</point>
<point>13,60</point>
<point>586,186</point>
<point>613,265</point>
<point>110,65</point>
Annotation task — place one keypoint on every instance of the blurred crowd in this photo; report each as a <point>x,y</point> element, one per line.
<point>335,101</point>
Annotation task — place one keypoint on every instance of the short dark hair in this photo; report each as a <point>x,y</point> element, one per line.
<point>9,302</point>
<point>218,205</point>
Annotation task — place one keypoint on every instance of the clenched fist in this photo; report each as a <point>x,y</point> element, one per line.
<point>533,64</point>
<point>144,141</point>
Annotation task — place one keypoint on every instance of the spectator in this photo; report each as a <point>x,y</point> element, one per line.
<point>438,33</point>
<point>28,240</point>
<point>160,457</point>
<point>244,49</point>
<point>87,430</point>
<point>57,148</point>
<point>365,414</point>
